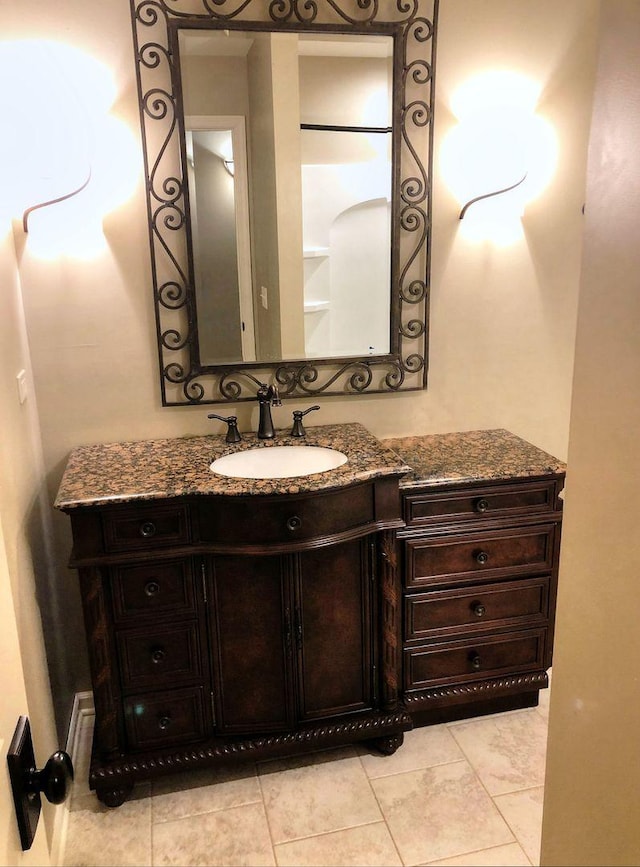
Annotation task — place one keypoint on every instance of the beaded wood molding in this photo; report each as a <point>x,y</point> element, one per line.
<point>119,771</point>
<point>481,689</point>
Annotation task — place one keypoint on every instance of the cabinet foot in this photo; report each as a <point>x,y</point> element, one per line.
<point>388,745</point>
<point>114,797</point>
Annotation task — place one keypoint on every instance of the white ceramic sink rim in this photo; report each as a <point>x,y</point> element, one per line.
<point>278,462</point>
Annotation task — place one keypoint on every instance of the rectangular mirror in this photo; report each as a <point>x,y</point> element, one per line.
<point>287,148</point>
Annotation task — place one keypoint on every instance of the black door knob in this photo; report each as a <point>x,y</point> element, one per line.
<point>54,780</point>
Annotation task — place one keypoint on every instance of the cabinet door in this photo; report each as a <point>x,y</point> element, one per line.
<point>251,626</point>
<point>333,629</point>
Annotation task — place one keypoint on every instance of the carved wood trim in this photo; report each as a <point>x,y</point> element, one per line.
<point>110,775</point>
<point>480,690</point>
<point>391,619</point>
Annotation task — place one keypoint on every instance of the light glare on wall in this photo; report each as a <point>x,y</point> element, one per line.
<point>60,136</point>
<point>498,143</point>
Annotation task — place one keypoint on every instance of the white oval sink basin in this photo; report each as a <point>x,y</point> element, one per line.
<point>278,462</point>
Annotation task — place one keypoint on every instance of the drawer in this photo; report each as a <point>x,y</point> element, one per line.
<point>158,720</point>
<point>156,658</point>
<point>285,519</point>
<point>461,661</point>
<point>513,603</point>
<point>154,589</point>
<point>145,527</point>
<point>480,502</point>
<point>478,556</point>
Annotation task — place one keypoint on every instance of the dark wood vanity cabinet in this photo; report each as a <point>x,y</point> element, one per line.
<point>222,628</point>
<point>294,636</point>
<point>231,620</point>
<point>480,569</point>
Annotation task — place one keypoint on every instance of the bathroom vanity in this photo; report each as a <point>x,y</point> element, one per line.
<point>235,618</point>
<point>479,559</point>
<point>232,618</point>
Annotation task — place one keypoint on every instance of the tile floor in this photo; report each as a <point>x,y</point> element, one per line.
<point>464,793</point>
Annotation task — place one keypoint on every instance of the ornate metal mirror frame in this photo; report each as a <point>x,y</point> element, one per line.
<point>184,380</point>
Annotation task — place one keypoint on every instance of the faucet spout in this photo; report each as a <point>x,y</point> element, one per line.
<point>267,397</point>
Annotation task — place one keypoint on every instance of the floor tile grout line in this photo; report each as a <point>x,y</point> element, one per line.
<point>516,791</point>
<point>371,781</point>
<point>508,823</point>
<point>476,852</point>
<point>474,770</point>
<point>382,813</point>
<point>152,853</point>
<point>266,815</point>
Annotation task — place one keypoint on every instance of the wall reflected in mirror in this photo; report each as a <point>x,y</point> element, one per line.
<point>288,144</point>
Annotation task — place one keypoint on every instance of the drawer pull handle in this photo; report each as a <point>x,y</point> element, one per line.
<point>148,529</point>
<point>294,523</point>
<point>164,722</point>
<point>481,558</point>
<point>479,610</point>
<point>482,505</point>
<point>157,654</point>
<point>151,588</point>
<point>476,662</point>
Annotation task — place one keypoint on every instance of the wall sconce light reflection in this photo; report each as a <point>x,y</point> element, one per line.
<point>499,157</point>
<point>65,161</point>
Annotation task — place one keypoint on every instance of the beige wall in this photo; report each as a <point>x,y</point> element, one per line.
<point>24,577</point>
<point>592,792</point>
<point>502,321</point>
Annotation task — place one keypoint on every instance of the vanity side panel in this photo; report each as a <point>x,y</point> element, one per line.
<point>106,696</point>
<point>388,502</point>
<point>88,540</point>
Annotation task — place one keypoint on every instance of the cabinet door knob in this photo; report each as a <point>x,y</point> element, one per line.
<point>482,505</point>
<point>294,523</point>
<point>151,588</point>
<point>157,654</point>
<point>164,722</point>
<point>148,529</point>
<point>476,662</point>
<point>481,558</point>
<point>479,610</point>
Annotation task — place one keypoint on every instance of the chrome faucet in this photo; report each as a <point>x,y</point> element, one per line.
<point>267,397</point>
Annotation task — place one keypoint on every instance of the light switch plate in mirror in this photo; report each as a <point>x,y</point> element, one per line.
<point>184,378</point>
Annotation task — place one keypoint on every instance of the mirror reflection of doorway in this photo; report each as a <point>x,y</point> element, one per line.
<point>218,192</point>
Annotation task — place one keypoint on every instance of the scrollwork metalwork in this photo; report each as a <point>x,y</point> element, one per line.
<point>184,380</point>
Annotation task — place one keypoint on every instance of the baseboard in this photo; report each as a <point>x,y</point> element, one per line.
<point>82,707</point>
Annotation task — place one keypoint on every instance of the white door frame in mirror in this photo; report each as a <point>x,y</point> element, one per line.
<point>235,124</point>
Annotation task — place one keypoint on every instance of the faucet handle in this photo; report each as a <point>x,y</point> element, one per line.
<point>298,430</point>
<point>233,434</point>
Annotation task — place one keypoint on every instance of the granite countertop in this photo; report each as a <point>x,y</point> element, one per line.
<point>177,467</point>
<point>479,455</point>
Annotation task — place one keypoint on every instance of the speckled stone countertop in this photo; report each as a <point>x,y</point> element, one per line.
<point>159,469</point>
<point>478,455</point>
